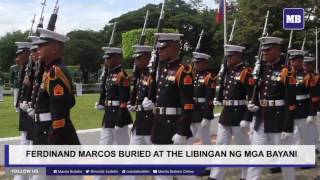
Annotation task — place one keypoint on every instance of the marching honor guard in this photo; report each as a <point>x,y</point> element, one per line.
<point>274,113</point>
<point>204,87</point>
<point>55,97</point>
<point>234,118</point>
<point>306,96</point>
<point>141,131</point>
<point>113,100</point>
<point>25,122</point>
<point>78,80</point>
<point>172,103</point>
<point>14,81</point>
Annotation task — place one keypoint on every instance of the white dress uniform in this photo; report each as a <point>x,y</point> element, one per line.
<point>234,119</point>
<point>273,120</point>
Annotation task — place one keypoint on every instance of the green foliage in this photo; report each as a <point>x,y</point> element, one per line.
<point>132,37</point>
<point>187,17</point>
<point>71,70</point>
<point>251,17</point>
<point>8,48</point>
<point>84,48</point>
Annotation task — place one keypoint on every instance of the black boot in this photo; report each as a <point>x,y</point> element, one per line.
<point>275,170</point>
<point>210,178</point>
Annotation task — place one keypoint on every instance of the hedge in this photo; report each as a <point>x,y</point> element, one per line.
<point>132,37</point>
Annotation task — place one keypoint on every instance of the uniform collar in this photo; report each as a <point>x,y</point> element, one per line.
<point>174,60</point>
<point>203,71</point>
<point>277,63</point>
<point>115,68</point>
<point>237,66</point>
<point>300,70</point>
<point>54,62</point>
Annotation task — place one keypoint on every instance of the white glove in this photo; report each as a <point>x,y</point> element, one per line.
<point>147,104</point>
<point>244,124</point>
<point>252,107</point>
<point>179,140</point>
<point>24,106</point>
<point>132,108</point>
<point>216,102</point>
<point>30,112</point>
<point>310,119</point>
<point>205,123</point>
<point>99,106</point>
<point>285,135</point>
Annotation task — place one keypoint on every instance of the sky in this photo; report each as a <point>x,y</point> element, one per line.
<point>73,14</point>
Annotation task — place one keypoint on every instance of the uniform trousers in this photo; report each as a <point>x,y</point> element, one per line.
<point>224,136</point>
<point>1,93</point>
<point>15,96</point>
<point>203,133</point>
<point>113,136</point>
<point>79,89</point>
<point>261,138</point>
<point>303,132</point>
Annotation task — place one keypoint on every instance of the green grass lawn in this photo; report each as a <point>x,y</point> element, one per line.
<point>83,115</point>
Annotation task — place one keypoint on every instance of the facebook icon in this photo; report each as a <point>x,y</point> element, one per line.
<point>293,18</point>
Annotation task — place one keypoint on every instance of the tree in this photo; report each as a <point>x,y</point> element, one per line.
<point>8,48</point>
<point>84,48</point>
<point>251,16</point>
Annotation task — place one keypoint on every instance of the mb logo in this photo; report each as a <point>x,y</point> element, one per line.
<point>293,18</point>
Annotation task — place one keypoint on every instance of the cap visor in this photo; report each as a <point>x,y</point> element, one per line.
<point>19,51</point>
<point>40,41</point>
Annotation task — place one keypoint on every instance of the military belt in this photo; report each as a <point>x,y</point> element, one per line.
<point>271,103</point>
<point>112,103</point>
<point>167,111</point>
<point>42,117</point>
<point>234,102</point>
<point>302,97</point>
<point>199,100</point>
<point>140,108</point>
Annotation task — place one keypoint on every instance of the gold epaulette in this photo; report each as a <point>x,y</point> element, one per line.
<point>56,73</point>
<point>122,75</point>
<point>209,77</point>
<point>183,69</point>
<point>244,74</point>
<point>306,80</point>
<point>314,80</point>
<point>288,75</point>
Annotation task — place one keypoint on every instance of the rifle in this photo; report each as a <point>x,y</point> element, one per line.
<point>289,47</point>
<point>135,72</point>
<point>32,23</point>
<point>143,33</point>
<point>317,64</point>
<point>304,41</point>
<point>29,65</point>
<point>40,24</point>
<point>199,41</point>
<point>154,61</point>
<point>111,42</point>
<point>53,18</point>
<point>232,31</point>
<point>257,69</point>
<point>223,70</point>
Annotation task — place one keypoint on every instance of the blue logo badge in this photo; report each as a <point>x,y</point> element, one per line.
<point>293,18</point>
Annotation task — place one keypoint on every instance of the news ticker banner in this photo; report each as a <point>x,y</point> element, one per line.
<point>161,156</point>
